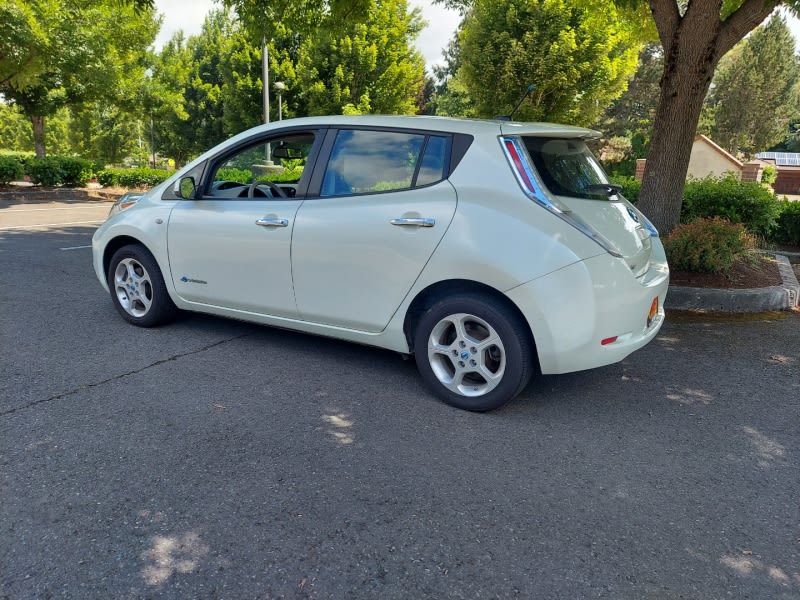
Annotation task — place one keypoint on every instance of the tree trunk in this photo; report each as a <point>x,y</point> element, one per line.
<point>690,58</point>
<point>37,122</point>
<point>693,43</point>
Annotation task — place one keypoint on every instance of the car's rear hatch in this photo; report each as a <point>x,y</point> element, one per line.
<point>567,179</point>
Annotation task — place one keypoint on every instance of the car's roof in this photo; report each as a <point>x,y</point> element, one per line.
<point>448,124</point>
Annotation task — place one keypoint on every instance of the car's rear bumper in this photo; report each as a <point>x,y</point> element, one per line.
<point>594,312</point>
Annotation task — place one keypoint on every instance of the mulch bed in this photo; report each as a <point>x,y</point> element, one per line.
<point>760,272</point>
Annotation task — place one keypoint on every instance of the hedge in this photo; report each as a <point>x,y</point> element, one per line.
<point>749,203</point>
<point>10,169</point>
<point>788,229</point>
<point>59,170</point>
<point>142,177</point>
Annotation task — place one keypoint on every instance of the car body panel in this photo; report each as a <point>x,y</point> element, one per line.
<point>220,256</point>
<point>351,266</point>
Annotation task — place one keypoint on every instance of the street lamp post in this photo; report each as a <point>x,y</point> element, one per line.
<point>265,77</point>
<point>265,87</point>
<point>280,87</point>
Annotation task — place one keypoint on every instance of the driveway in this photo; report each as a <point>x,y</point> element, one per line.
<point>216,459</point>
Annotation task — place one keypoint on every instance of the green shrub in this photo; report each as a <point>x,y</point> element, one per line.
<point>707,245</point>
<point>141,177</point>
<point>10,169</point>
<point>287,176</point>
<point>23,158</point>
<point>107,177</point>
<point>46,171</point>
<point>788,230</point>
<point>243,176</point>
<point>630,187</point>
<point>59,170</point>
<point>76,171</point>
<point>769,175</point>
<point>751,204</point>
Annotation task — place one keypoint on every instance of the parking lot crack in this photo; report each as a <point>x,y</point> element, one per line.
<point>90,386</point>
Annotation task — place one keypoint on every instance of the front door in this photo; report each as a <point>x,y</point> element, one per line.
<point>231,247</point>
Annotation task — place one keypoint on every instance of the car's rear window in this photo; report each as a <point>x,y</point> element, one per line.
<point>567,167</point>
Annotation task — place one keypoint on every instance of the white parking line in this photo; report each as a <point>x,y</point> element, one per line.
<point>76,247</point>
<point>50,225</point>
<point>26,210</point>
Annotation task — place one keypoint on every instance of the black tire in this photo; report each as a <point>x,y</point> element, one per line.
<point>482,365</point>
<point>137,287</point>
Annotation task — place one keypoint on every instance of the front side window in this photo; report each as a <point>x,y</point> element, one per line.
<point>365,162</point>
<point>270,168</point>
<point>567,167</point>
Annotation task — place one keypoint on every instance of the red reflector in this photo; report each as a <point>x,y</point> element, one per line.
<point>608,341</point>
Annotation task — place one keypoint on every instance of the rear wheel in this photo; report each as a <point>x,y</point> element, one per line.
<point>137,288</point>
<point>472,352</point>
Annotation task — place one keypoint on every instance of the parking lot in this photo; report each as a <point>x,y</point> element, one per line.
<point>217,459</point>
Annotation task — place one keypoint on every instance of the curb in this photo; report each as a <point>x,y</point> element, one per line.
<point>750,300</point>
<point>31,194</point>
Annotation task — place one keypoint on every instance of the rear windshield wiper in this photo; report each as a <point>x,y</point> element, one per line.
<point>609,188</point>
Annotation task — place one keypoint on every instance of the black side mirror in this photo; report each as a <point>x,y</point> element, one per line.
<point>187,188</point>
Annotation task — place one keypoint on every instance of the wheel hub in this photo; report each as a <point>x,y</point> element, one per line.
<point>466,355</point>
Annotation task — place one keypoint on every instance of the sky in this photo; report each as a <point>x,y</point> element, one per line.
<point>189,14</point>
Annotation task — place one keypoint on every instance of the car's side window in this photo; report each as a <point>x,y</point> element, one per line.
<point>434,160</point>
<point>369,161</point>
<point>268,168</point>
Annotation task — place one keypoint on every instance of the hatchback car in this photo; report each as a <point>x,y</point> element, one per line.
<point>487,249</point>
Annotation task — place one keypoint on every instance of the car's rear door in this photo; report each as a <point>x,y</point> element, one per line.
<point>382,205</point>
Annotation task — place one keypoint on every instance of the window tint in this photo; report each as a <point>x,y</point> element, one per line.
<point>371,161</point>
<point>280,161</point>
<point>431,168</point>
<point>567,167</point>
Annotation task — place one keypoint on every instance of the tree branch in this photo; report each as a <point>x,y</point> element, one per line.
<point>742,21</point>
<point>667,19</point>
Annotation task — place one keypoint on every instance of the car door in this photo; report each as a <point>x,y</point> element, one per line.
<point>231,246</point>
<point>382,205</point>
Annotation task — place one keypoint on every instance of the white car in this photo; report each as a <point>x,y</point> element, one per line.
<point>487,249</point>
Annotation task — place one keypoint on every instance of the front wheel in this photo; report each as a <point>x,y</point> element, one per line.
<point>474,353</point>
<point>137,287</point>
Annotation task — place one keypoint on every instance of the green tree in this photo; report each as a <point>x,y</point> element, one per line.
<point>754,94</point>
<point>577,59</point>
<point>367,67</point>
<point>628,121</point>
<point>24,43</point>
<point>242,90</point>
<point>272,19</point>
<point>631,115</point>
<point>451,97</point>
<point>82,51</point>
<point>694,36</point>
<point>15,129</point>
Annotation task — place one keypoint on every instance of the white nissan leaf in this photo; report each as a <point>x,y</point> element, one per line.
<point>489,250</point>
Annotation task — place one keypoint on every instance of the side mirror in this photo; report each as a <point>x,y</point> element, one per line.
<point>187,188</point>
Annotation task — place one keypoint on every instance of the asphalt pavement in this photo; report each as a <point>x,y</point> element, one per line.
<point>217,459</point>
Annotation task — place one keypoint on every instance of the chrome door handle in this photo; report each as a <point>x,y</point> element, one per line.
<point>414,222</point>
<point>272,222</point>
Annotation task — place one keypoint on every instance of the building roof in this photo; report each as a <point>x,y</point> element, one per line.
<point>781,159</point>
<point>727,155</point>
